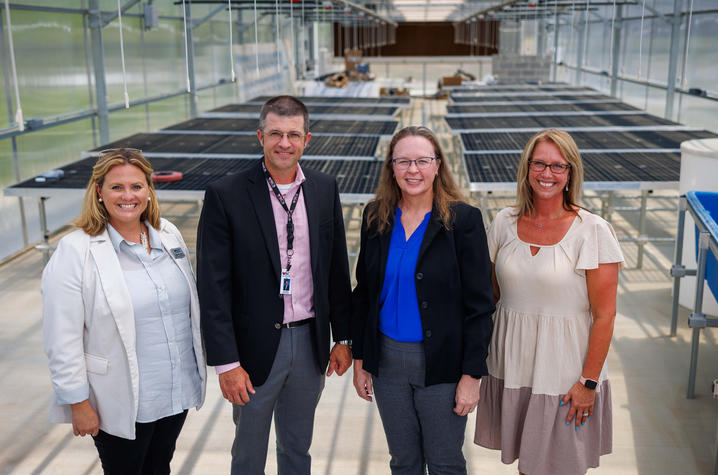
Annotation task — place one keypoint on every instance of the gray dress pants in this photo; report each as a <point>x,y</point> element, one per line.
<point>421,427</point>
<point>291,394</point>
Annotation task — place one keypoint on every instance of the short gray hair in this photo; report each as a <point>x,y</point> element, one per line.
<point>284,106</point>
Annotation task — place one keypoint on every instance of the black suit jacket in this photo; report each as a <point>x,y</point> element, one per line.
<point>238,270</point>
<point>453,290</point>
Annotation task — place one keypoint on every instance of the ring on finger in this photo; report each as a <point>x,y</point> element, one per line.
<point>585,414</point>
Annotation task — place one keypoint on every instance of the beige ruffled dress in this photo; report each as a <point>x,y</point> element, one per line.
<point>537,351</point>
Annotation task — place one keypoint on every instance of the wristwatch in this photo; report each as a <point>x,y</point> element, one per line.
<point>345,342</point>
<point>588,383</point>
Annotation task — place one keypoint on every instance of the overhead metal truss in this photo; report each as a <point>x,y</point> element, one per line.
<point>342,11</point>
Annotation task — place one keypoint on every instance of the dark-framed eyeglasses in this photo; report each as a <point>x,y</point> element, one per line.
<point>557,168</point>
<point>421,163</point>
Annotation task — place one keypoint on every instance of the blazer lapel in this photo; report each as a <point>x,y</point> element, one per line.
<point>259,195</point>
<point>384,242</point>
<point>310,198</point>
<point>169,242</point>
<point>114,287</point>
<point>432,229</point>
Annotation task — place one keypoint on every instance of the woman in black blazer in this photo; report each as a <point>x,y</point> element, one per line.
<point>422,307</point>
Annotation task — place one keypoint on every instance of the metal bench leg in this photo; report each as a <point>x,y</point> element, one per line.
<point>682,204</point>
<point>45,231</point>
<point>642,229</point>
<point>697,320</point>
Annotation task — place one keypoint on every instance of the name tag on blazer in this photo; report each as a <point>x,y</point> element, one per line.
<point>177,253</point>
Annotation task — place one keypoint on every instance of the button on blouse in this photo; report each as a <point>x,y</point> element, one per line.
<point>169,380</point>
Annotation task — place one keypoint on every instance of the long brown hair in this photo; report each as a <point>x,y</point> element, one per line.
<point>93,217</point>
<point>380,211</point>
<point>569,151</point>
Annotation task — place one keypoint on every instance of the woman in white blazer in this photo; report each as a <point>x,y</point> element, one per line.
<point>121,321</point>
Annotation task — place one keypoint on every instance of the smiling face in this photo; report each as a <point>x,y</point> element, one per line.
<point>125,194</point>
<point>414,181</point>
<point>283,141</point>
<point>548,185</point>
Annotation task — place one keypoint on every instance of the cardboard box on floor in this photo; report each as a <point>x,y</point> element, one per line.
<point>352,57</point>
<point>451,81</point>
<point>393,91</point>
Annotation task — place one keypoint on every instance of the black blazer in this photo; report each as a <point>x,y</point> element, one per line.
<point>238,270</point>
<point>453,290</point>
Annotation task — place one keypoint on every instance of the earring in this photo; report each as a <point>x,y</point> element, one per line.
<point>149,198</point>
<point>99,199</point>
<point>566,189</point>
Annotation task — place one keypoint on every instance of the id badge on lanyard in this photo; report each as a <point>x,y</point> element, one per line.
<point>285,283</point>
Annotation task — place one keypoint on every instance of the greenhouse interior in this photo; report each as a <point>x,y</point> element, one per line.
<point>634,83</point>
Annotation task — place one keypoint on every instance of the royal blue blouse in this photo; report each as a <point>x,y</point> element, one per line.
<point>399,316</point>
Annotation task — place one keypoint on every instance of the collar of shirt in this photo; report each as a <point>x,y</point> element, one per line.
<point>298,180</point>
<point>117,239</point>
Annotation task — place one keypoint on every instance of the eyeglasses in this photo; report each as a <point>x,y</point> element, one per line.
<point>558,168</point>
<point>276,136</point>
<point>118,150</point>
<point>421,163</point>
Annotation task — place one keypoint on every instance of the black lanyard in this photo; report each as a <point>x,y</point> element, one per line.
<point>290,211</point>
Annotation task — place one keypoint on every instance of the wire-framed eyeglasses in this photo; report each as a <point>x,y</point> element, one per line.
<point>557,168</point>
<point>294,137</point>
<point>421,163</point>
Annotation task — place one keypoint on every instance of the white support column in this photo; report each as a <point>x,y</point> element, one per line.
<point>616,49</point>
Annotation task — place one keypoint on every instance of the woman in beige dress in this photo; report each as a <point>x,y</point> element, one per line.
<point>547,398</point>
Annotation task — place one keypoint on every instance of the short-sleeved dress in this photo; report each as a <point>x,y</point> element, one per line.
<point>537,351</point>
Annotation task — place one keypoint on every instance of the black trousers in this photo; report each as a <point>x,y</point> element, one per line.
<point>149,454</point>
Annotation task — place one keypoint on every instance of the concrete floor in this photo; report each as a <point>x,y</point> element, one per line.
<point>656,429</point>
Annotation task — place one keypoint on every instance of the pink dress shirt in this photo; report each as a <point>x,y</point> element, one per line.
<point>300,304</point>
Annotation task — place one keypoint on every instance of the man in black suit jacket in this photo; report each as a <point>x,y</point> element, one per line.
<point>272,278</point>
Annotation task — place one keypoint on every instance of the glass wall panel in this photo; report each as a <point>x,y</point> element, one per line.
<point>51,62</point>
<point>697,112</point>
<point>702,64</point>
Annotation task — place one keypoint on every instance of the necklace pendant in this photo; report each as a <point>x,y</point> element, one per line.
<point>143,239</point>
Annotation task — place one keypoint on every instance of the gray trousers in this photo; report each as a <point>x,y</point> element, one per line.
<point>291,394</point>
<point>421,427</point>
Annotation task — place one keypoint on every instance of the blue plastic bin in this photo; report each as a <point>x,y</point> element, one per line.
<point>705,204</point>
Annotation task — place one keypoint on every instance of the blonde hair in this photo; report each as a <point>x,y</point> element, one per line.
<point>569,151</point>
<point>94,217</point>
<point>381,212</point>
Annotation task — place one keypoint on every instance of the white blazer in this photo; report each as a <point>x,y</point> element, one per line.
<point>89,327</point>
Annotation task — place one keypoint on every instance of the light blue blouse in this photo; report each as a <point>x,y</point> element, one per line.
<point>169,380</point>
<point>399,316</point>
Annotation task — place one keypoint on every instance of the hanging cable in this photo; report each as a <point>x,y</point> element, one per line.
<point>640,41</point>
<point>291,30</point>
<point>231,56</point>
<point>186,51</point>
<point>570,31</point>
<point>303,47</point>
<point>18,112</point>
<point>256,38</point>
<point>276,16</point>
<point>122,57</point>
<point>688,41</point>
